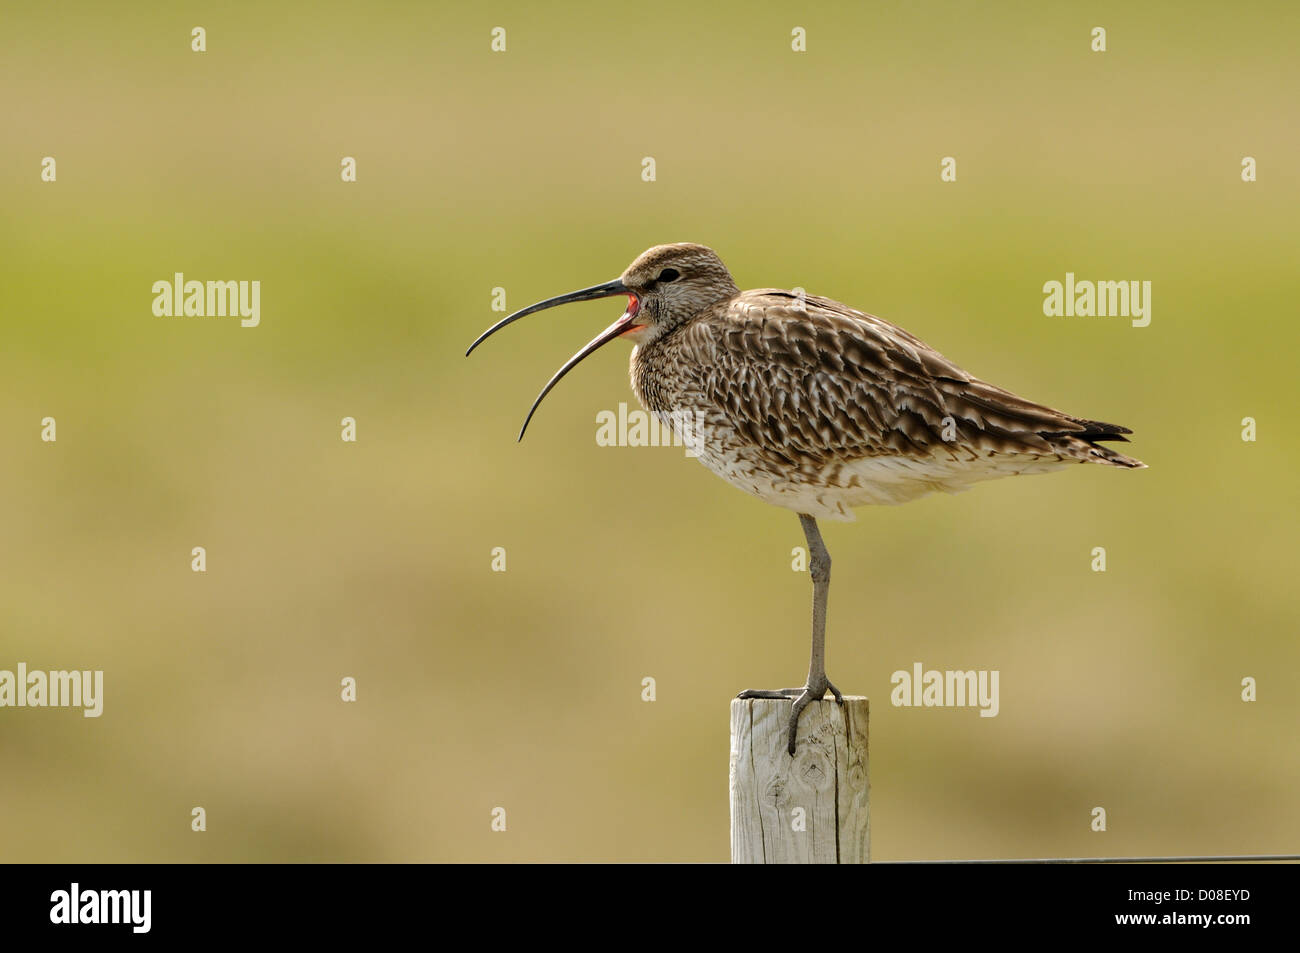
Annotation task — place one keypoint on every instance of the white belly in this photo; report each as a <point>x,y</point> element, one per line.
<point>831,491</point>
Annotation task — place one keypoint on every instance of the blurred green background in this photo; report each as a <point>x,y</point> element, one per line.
<point>522,170</point>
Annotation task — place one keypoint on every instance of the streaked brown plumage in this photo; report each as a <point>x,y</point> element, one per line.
<point>814,406</point>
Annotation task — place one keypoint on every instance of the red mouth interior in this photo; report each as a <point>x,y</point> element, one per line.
<point>633,309</point>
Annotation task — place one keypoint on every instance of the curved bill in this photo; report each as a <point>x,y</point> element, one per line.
<point>607,290</point>
<point>624,324</point>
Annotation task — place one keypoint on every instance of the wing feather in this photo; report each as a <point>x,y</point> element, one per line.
<point>816,380</point>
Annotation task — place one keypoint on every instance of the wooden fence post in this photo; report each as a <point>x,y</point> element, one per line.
<point>809,809</point>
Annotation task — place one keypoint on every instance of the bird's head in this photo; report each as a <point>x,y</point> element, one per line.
<point>670,284</point>
<point>666,286</point>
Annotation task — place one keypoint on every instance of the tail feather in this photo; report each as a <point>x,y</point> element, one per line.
<point>1084,443</point>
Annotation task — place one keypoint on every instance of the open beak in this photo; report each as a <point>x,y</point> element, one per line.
<point>624,324</point>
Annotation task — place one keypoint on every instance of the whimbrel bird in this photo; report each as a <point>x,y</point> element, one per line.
<point>811,405</point>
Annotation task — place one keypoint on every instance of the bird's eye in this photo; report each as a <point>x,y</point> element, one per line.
<point>669,274</point>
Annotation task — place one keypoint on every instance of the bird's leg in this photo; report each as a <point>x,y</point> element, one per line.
<point>819,567</point>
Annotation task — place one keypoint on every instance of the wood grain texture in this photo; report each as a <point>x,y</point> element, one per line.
<point>827,778</point>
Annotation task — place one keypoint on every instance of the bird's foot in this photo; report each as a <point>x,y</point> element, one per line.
<point>771,693</point>
<point>814,691</point>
